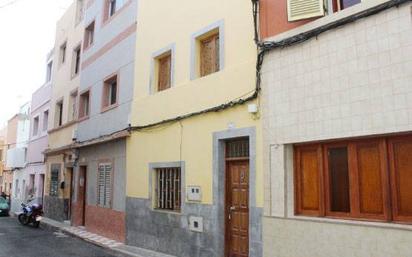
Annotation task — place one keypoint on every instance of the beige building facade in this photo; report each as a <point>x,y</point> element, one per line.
<point>63,112</point>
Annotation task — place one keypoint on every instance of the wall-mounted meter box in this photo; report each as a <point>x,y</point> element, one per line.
<point>196,224</point>
<point>194,193</point>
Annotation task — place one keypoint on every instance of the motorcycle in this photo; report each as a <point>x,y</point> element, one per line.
<point>31,213</point>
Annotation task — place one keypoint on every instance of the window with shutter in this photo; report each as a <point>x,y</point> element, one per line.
<point>164,72</point>
<point>400,150</point>
<point>367,179</point>
<point>304,9</point>
<point>168,189</point>
<point>209,55</point>
<point>104,187</point>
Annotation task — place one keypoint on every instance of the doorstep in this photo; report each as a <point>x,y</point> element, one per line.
<point>101,241</point>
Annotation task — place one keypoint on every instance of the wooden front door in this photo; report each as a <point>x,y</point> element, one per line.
<point>237,208</point>
<point>82,194</point>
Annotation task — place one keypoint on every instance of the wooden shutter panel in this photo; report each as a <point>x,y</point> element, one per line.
<point>165,65</point>
<point>371,180</point>
<point>308,177</point>
<point>209,55</point>
<point>304,9</point>
<point>400,154</point>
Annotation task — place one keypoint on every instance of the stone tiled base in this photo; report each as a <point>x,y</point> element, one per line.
<point>106,222</point>
<point>54,208</point>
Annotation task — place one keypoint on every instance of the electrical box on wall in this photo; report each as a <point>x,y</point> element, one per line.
<point>196,224</point>
<point>194,193</point>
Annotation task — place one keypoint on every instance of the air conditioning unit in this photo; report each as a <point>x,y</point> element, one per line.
<point>74,135</point>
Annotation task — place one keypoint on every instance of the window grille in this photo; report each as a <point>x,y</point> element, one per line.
<point>168,189</point>
<point>238,148</point>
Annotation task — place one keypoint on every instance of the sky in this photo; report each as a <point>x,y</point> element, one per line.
<point>27,31</point>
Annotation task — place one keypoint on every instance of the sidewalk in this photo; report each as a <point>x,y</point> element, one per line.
<point>116,247</point>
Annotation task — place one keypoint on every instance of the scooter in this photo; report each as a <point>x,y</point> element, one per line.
<point>31,213</point>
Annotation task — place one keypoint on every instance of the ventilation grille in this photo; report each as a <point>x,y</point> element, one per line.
<point>304,9</point>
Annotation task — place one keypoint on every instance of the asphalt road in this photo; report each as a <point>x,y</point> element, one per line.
<point>23,241</point>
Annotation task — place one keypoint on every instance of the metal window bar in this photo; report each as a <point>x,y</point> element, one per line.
<point>237,148</point>
<point>168,189</point>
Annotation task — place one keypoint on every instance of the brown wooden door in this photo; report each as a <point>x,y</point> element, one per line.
<point>82,194</point>
<point>237,208</point>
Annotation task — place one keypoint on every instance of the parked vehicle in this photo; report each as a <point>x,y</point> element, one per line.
<point>4,206</point>
<point>31,214</point>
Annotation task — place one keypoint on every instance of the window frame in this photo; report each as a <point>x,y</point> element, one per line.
<point>385,160</point>
<point>76,60</point>
<point>36,131</point>
<point>81,113</point>
<point>54,168</point>
<point>89,35</point>
<point>73,105</point>
<point>58,122</point>
<point>63,53</point>
<point>177,194</point>
<point>217,27</point>
<point>107,83</point>
<point>105,162</point>
<point>45,124</point>
<point>214,36</point>
<point>107,16</point>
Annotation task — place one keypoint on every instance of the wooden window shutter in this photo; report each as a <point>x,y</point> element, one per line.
<point>308,177</point>
<point>371,176</point>
<point>304,9</point>
<point>400,150</point>
<point>209,55</point>
<point>165,68</point>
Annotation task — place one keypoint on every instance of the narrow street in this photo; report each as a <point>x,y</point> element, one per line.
<point>24,241</point>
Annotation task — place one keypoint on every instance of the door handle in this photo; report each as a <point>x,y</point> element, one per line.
<point>232,208</point>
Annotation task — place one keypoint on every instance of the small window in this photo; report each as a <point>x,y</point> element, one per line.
<point>59,114</point>
<point>79,11</point>
<point>54,180</point>
<point>104,186</point>
<point>343,4</point>
<point>63,49</point>
<point>45,120</point>
<point>168,189</point>
<point>84,110</point>
<point>209,55</point>
<point>114,6</point>
<point>164,68</point>
<point>49,71</point>
<point>89,35</point>
<point>73,106</point>
<point>36,126</point>
<point>76,61</point>
<point>110,92</point>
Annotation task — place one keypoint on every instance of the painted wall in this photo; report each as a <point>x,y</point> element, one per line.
<point>349,82</point>
<point>191,140</point>
<point>112,52</point>
<point>64,83</point>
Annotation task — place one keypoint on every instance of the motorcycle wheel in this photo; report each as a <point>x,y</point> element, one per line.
<point>36,224</point>
<point>23,219</point>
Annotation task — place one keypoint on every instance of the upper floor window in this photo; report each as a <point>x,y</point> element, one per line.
<point>79,11</point>
<point>49,71</point>
<point>164,71</point>
<point>45,120</point>
<point>89,35</point>
<point>84,108</point>
<point>358,179</point>
<point>114,6</point>
<point>76,61</point>
<point>36,126</point>
<point>59,114</point>
<point>209,54</point>
<point>62,53</point>
<point>110,92</point>
<point>73,106</point>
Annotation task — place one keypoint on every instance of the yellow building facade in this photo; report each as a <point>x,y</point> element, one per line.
<point>194,161</point>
